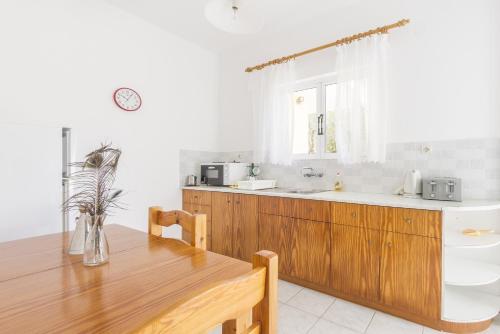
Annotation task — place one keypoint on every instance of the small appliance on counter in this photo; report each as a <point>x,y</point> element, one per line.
<point>443,189</point>
<point>413,184</point>
<point>412,188</point>
<point>253,171</point>
<point>223,173</point>
<point>191,180</point>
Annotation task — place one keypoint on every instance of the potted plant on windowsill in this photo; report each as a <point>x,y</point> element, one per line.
<point>93,190</point>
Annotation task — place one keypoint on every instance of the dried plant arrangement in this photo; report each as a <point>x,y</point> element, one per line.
<point>92,183</point>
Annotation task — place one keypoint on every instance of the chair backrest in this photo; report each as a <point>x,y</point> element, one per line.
<point>244,305</point>
<point>194,227</point>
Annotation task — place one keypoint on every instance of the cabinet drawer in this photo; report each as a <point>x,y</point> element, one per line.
<point>271,205</point>
<point>374,216</point>
<point>347,214</point>
<point>412,221</point>
<point>197,197</point>
<point>295,208</point>
<point>308,209</point>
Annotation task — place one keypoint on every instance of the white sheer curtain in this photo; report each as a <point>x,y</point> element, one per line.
<point>272,111</point>
<point>361,106</point>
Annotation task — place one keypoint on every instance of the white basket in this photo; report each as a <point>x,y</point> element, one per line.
<point>256,184</point>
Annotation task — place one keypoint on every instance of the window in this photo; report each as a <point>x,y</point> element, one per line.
<point>313,119</point>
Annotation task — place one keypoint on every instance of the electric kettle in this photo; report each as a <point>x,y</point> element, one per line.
<point>413,184</point>
<point>191,180</point>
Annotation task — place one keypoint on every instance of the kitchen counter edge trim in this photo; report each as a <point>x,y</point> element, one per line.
<point>364,198</point>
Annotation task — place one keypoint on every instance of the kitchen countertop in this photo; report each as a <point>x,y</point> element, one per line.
<point>364,198</point>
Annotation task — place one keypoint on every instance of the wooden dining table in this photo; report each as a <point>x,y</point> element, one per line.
<point>45,290</point>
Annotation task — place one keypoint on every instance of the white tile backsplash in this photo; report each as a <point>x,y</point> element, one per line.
<point>476,161</point>
<point>189,161</point>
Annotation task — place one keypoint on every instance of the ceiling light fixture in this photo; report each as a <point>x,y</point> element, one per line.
<point>236,17</point>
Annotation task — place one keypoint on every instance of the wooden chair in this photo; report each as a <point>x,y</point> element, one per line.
<point>194,227</point>
<point>244,305</point>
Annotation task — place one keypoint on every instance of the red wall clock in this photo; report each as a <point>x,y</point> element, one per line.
<point>127,99</point>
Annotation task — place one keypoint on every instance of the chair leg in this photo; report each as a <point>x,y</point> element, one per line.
<point>266,311</point>
<point>239,325</point>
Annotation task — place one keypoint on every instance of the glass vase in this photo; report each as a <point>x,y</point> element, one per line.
<point>82,229</point>
<point>96,246</point>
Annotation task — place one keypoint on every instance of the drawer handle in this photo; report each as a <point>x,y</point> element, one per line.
<point>196,211</point>
<point>353,214</point>
<point>408,220</point>
<point>389,244</point>
<point>228,202</point>
<point>196,197</point>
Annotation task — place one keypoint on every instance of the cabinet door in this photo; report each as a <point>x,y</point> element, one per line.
<point>411,274</point>
<point>222,223</point>
<point>310,254</point>
<point>355,261</point>
<point>245,240</point>
<point>274,235</point>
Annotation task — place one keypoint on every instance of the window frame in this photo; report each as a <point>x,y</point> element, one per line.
<point>320,83</point>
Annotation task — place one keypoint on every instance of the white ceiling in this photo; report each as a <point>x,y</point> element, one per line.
<point>186,18</point>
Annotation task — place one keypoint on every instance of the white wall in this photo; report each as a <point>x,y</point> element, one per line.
<point>60,61</point>
<point>445,69</point>
<point>30,181</point>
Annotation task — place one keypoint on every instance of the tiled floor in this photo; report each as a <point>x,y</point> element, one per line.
<point>304,311</point>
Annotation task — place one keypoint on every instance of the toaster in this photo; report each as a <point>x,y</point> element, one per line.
<point>442,189</point>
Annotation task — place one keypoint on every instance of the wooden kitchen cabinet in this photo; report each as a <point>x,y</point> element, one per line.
<point>410,274</point>
<point>275,235</point>
<point>222,223</point>
<point>355,261</point>
<point>383,257</point>
<point>310,251</point>
<point>245,226</point>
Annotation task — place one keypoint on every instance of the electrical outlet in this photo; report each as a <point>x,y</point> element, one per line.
<point>425,148</point>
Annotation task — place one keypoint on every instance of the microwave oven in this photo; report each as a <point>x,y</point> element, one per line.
<point>223,173</point>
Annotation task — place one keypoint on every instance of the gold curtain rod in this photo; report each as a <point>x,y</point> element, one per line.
<point>345,40</point>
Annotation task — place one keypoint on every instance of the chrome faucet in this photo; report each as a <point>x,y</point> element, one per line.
<point>309,172</point>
